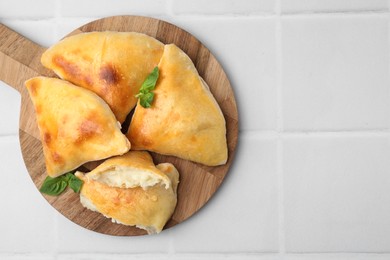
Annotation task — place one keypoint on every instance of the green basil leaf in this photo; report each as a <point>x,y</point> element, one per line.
<point>146,99</point>
<point>150,81</point>
<point>54,186</point>
<point>75,183</point>
<point>67,176</point>
<point>145,95</point>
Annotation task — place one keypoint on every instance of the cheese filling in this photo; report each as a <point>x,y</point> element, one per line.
<point>128,178</point>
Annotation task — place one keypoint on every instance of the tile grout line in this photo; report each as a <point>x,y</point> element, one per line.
<point>203,255</point>
<point>9,136</point>
<point>279,72</point>
<point>310,134</point>
<point>388,54</point>
<point>170,13</point>
<point>279,125</point>
<point>278,13</point>
<point>345,12</point>
<point>281,208</point>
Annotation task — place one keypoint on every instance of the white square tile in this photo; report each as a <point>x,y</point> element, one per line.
<point>245,47</point>
<point>67,25</point>
<point>27,257</point>
<point>103,256</point>
<point>27,9</point>
<point>27,222</point>
<point>235,256</point>
<point>223,6</point>
<point>242,216</point>
<point>9,110</point>
<point>336,194</point>
<point>294,6</point>
<point>92,242</point>
<point>337,256</point>
<point>41,32</point>
<point>336,73</point>
<point>199,256</point>
<point>73,8</point>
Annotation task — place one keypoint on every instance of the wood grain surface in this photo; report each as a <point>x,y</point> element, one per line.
<point>20,60</point>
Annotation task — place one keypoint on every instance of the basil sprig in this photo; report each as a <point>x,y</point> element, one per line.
<point>145,94</point>
<point>55,186</point>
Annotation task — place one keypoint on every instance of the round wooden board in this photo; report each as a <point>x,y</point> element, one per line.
<point>198,183</point>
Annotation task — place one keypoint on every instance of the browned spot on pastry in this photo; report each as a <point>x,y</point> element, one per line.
<point>33,87</point>
<point>193,139</point>
<point>88,80</point>
<point>109,75</point>
<point>131,198</point>
<point>146,143</point>
<point>57,158</point>
<point>72,71</point>
<point>68,67</point>
<point>87,129</point>
<point>116,200</point>
<point>128,199</point>
<point>38,109</point>
<point>47,138</point>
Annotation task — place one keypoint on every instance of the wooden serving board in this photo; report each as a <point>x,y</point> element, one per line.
<point>20,60</point>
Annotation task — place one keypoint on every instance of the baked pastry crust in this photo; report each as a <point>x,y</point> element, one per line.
<point>184,119</point>
<point>76,126</point>
<point>111,64</point>
<point>148,208</point>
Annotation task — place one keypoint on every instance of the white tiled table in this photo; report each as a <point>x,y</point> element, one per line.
<point>311,178</point>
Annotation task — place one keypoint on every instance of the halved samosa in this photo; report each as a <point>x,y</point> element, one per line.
<point>76,125</point>
<point>184,119</point>
<point>132,191</point>
<point>111,64</point>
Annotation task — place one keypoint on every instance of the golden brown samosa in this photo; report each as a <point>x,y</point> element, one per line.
<point>76,125</point>
<point>111,64</point>
<point>184,119</point>
<point>132,191</point>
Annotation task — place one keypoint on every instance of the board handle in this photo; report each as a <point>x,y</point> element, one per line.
<point>19,59</point>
